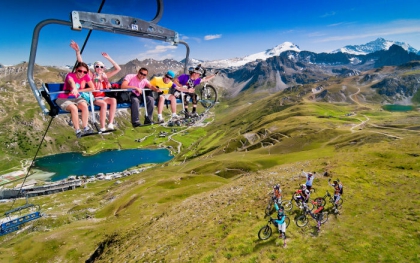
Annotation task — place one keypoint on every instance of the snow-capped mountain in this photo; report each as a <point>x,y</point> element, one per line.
<point>373,46</point>
<point>237,62</point>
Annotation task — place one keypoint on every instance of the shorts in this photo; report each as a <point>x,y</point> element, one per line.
<point>64,103</point>
<point>166,96</point>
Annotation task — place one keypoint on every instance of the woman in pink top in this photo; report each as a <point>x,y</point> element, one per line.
<point>101,81</point>
<point>71,100</point>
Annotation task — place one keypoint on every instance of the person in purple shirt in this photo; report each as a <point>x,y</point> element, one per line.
<point>190,81</point>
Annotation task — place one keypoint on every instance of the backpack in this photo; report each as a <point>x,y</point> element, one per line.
<point>341,188</point>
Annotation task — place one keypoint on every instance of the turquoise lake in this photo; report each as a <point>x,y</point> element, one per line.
<point>400,108</point>
<point>66,164</point>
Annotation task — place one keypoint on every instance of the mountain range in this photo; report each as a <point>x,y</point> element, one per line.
<point>370,47</point>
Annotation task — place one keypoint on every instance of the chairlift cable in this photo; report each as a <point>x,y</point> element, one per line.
<point>88,35</point>
<point>32,163</point>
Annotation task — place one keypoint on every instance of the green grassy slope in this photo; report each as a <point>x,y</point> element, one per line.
<point>207,205</point>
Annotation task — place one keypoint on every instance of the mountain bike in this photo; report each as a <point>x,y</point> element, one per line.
<point>269,208</point>
<point>288,205</point>
<point>208,96</point>
<point>303,220</point>
<point>266,231</point>
<point>328,197</point>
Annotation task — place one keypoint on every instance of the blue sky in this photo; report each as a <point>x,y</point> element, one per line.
<point>215,29</point>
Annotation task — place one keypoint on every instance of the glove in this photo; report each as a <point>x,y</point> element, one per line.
<point>329,180</point>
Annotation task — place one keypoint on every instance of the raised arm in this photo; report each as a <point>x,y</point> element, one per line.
<point>117,68</point>
<point>76,48</point>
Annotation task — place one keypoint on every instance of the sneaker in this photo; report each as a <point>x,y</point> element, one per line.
<point>137,124</point>
<point>147,120</point>
<point>79,134</point>
<point>187,115</point>
<point>111,126</point>
<point>194,114</point>
<point>161,120</point>
<point>175,117</point>
<point>87,130</point>
<point>102,130</point>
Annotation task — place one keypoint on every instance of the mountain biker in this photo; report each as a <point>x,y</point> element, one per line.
<point>280,222</point>
<point>337,192</point>
<point>309,178</point>
<point>303,195</point>
<point>317,214</point>
<point>192,80</point>
<point>276,193</point>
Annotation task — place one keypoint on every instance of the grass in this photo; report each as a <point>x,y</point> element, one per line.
<point>207,204</point>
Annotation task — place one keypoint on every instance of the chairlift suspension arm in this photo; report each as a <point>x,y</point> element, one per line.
<point>122,25</point>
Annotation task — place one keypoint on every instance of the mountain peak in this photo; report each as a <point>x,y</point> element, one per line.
<point>373,46</point>
<point>237,62</point>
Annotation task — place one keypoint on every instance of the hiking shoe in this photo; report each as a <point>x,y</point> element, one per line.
<point>187,115</point>
<point>147,120</point>
<point>111,126</point>
<point>161,120</point>
<point>137,124</point>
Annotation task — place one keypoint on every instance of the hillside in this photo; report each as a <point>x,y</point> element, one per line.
<point>207,204</point>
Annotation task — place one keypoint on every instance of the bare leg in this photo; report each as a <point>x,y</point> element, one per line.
<point>85,113</point>
<point>102,112</point>
<point>74,115</point>
<point>112,108</point>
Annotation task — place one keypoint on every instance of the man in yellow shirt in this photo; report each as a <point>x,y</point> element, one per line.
<point>168,87</point>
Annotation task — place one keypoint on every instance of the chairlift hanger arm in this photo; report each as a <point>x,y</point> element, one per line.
<point>122,25</point>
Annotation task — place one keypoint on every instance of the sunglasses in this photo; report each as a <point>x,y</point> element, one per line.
<point>99,66</point>
<point>82,71</point>
<point>141,73</point>
<point>168,77</point>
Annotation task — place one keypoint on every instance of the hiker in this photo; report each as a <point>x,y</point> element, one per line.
<point>101,81</point>
<point>191,81</point>
<point>138,82</point>
<point>338,191</point>
<point>72,101</point>
<point>309,178</point>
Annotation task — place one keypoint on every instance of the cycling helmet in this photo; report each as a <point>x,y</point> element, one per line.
<point>170,74</point>
<point>303,186</point>
<point>197,69</point>
<point>277,186</point>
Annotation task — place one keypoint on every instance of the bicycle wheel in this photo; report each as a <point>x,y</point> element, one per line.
<point>340,203</point>
<point>208,96</point>
<point>287,220</point>
<point>324,217</point>
<point>265,232</point>
<point>301,221</point>
<point>288,205</point>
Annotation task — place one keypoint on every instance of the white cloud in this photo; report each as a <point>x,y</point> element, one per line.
<point>158,52</point>
<point>328,14</point>
<point>211,37</point>
<point>406,27</point>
